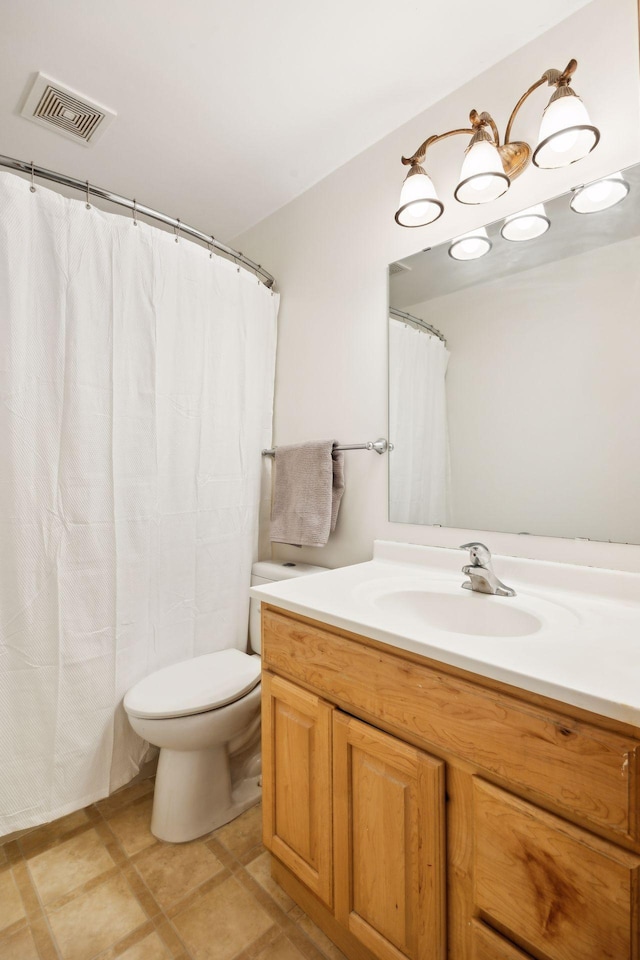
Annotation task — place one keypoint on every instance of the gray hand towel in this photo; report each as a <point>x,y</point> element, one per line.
<point>307,489</point>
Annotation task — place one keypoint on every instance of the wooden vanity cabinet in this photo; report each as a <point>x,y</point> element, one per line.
<point>417,812</point>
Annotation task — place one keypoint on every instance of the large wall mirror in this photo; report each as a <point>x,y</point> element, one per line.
<point>514,377</point>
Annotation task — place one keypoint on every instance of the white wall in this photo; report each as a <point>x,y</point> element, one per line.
<point>543,396</point>
<point>329,250</point>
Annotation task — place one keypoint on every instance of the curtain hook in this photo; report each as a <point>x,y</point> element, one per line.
<point>87,204</point>
<point>32,188</point>
<point>210,247</point>
<point>135,221</point>
<point>176,230</point>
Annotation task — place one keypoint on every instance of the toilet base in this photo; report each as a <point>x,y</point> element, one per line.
<point>193,794</point>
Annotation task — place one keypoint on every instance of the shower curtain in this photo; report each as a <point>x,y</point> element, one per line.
<point>136,389</point>
<point>419,472</point>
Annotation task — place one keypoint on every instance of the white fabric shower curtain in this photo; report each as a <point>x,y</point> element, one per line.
<point>136,391</point>
<point>419,471</point>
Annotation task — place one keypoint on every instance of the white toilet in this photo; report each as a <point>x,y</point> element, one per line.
<point>204,714</point>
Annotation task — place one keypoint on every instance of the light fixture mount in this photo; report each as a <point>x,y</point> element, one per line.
<point>515,157</point>
<point>566,136</point>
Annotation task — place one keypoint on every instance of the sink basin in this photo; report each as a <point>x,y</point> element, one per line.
<point>462,613</point>
<point>440,605</point>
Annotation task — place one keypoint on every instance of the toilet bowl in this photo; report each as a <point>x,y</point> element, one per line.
<point>204,714</point>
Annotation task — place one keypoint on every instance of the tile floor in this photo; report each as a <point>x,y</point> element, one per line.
<point>97,884</point>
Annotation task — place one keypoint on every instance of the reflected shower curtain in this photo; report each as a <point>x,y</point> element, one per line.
<point>136,389</point>
<point>419,474</point>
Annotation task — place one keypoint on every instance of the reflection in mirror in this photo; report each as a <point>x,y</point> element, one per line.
<point>514,378</point>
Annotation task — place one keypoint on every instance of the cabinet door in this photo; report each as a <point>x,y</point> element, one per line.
<point>296,795</point>
<point>389,843</point>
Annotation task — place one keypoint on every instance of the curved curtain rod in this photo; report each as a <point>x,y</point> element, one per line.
<point>401,315</point>
<point>138,208</point>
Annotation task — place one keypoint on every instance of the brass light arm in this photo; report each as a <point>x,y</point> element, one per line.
<point>484,119</point>
<point>420,153</point>
<point>554,78</point>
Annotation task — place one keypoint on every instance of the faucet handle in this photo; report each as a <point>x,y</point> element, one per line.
<point>479,553</point>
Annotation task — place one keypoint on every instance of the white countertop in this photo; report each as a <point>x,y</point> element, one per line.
<point>586,651</point>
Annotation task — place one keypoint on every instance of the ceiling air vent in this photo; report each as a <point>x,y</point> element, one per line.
<point>398,267</point>
<point>59,108</point>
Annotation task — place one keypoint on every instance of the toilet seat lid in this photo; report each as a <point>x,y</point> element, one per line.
<point>194,686</point>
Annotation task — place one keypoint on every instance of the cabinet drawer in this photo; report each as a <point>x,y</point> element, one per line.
<point>586,771</point>
<point>553,888</point>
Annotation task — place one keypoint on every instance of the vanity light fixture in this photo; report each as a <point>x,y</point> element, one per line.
<point>526,225</point>
<point>566,135</point>
<point>470,246</point>
<point>600,195</point>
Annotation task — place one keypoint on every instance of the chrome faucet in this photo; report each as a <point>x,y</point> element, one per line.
<point>482,579</point>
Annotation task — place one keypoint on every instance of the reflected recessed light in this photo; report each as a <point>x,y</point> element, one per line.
<point>470,245</point>
<point>600,195</point>
<point>527,224</point>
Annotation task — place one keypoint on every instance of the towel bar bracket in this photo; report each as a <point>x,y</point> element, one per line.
<point>380,446</point>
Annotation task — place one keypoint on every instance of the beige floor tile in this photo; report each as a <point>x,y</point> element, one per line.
<point>260,870</point>
<point>51,832</point>
<point>222,923</point>
<point>280,949</point>
<point>171,871</point>
<point>132,826</point>
<point>150,947</point>
<point>122,798</point>
<point>95,920</point>
<point>73,863</point>
<point>320,939</point>
<point>243,833</point>
<point>19,947</point>
<point>11,905</point>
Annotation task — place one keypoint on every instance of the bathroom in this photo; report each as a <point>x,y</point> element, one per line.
<point>227,119</point>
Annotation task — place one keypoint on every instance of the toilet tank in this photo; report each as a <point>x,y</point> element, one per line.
<point>268,571</point>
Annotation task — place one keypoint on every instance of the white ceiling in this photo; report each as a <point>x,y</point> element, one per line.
<point>227,111</point>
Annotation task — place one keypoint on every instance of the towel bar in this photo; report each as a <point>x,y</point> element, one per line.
<point>380,446</point>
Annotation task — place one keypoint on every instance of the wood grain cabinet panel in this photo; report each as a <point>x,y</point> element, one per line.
<point>487,945</point>
<point>556,890</point>
<point>389,835</point>
<point>588,771</point>
<point>297,804</point>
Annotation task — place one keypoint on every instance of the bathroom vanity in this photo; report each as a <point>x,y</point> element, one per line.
<point>434,793</point>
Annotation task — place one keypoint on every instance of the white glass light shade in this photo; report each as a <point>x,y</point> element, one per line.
<point>600,195</point>
<point>526,225</point>
<point>566,133</point>
<point>470,245</point>
<point>419,202</point>
<point>482,177</point>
